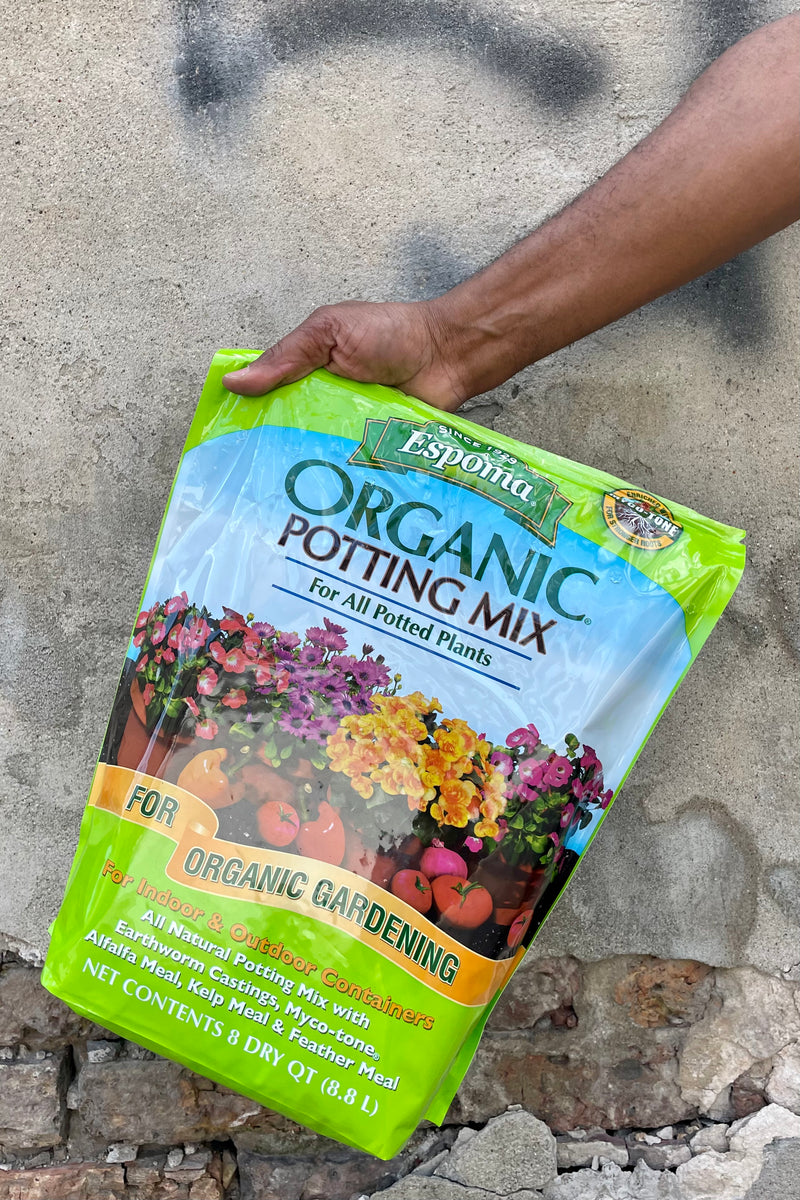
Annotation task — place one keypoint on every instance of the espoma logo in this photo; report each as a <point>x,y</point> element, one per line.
<point>438,450</point>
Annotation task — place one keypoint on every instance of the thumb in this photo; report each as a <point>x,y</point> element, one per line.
<point>294,356</point>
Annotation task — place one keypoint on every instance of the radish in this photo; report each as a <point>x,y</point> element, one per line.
<point>438,861</point>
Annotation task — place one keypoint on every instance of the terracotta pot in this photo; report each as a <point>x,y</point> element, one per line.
<point>514,889</point>
<point>140,750</point>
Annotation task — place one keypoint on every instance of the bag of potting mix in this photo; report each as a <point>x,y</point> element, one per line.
<point>390,670</point>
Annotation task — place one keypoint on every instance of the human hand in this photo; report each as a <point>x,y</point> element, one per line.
<point>402,345</point>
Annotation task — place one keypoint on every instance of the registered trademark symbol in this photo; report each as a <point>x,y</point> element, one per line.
<point>587,620</point>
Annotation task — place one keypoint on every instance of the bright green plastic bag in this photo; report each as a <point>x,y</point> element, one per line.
<point>389,670</point>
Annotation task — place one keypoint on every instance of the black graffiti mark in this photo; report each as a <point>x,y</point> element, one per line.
<point>214,69</point>
<point>428,266</point>
<point>732,299</point>
<point>721,23</point>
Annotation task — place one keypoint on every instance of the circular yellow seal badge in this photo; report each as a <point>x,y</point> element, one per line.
<point>639,519</point>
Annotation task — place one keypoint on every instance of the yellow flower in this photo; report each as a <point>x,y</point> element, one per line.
<point>486,829</point>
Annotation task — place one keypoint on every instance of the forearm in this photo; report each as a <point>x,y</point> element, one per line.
<point>720,174</point>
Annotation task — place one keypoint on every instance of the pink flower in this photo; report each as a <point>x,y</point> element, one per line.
<point>144,616</point>
<point>235,698</point>
<point>532,771</point>
<point>176,604</point>
<point>555,838</point>
<point>142,663</point>
<point>606,799</point>
<point>558,771</point>
<point>567,815</point>
<point>137,641</point>
<point>148,693</point>
<point>283,682</point>
<point>193,634</point>
<point>207,729</point>
<point>174,635</point>
<point>502,828</point>
<point>192,706</point>
<point>474,844</point>
<point>159,633</point>
<point>207,680</point>
<point>168,656</point>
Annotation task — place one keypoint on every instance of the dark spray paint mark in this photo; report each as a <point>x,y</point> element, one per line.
<point>733,298</point>
<point>215,68</point>
<point>428,266</point>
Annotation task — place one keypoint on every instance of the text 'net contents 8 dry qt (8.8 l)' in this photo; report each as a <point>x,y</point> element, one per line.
<point>390,670</point>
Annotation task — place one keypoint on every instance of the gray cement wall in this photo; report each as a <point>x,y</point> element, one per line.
<point>181,176</point>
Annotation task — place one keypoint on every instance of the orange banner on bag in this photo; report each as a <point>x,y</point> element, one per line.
<point>326,893</point>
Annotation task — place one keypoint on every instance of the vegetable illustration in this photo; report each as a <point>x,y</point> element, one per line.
<point>465,905</point>
<point>323,839</point>
<point>203,777</point>
<point>278,823</point>
<point>438,861</point>
<point>518,928</point>
<point>414,888</point>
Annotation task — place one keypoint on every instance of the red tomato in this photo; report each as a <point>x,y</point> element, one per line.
<point>323,839</point>
<point>519,928</point>
<point>466,905</point>
<point>278,823</point>
<point>414,888</point>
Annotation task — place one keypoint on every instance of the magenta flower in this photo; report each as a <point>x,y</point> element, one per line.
<point>589,758</point>
<point>567,815</point>
<point>533,771</point>
<point>557,771</point>
<point>503,762</point>
<point>527,737</point>
<point>606,799</point>
<point>207,680</point>
<point>474,844</point>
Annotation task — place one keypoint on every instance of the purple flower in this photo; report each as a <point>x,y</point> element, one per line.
<point>263,629</point>
<point>286,643</point>
<point>330,637</point>
<point>311,656</point>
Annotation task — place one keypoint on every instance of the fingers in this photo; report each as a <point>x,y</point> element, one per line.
<point>300,352</point>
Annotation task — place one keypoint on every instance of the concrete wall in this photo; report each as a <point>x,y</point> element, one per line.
<point>186,175</point>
